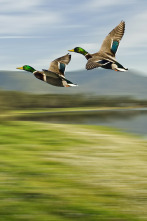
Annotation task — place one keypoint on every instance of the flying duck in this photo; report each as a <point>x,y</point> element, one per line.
<point>55,74</point>
<point>105,57</point>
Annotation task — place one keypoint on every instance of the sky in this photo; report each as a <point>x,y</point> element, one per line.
<point>35,32</point>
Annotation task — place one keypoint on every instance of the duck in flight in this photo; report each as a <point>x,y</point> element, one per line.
<point>55,74</point>
<point>105,57</point>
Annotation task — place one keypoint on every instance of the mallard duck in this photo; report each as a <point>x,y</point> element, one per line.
<point>105,57</point>
<point>55,74</point>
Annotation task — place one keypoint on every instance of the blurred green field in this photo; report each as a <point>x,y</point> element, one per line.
<point>71,172</point>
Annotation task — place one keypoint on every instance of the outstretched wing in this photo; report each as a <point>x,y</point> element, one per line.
<point>50,74</point>
<point>56,79</point>
<point>91,64</point>
<point>112,40</point>
<point>58,65</point>
<point>95,63</point>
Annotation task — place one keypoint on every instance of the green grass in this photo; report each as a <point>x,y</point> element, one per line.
<point>71,172</point>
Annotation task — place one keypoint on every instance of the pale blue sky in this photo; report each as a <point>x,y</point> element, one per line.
<point>35,32</point>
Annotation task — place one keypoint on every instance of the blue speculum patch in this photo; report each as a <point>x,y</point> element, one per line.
<point>114,46</point>
<point>62,67</point>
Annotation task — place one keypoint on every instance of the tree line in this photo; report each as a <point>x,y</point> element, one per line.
<point>11,100</point>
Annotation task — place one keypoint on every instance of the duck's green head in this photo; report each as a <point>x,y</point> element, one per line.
<point>79,50</point>
<point>27,68</point>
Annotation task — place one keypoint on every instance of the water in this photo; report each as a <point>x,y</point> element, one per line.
<point>136,124</point>
<point>132,120</point>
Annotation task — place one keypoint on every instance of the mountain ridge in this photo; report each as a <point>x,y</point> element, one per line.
<point>97,81</point>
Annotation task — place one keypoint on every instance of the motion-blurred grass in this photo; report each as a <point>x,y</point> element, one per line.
<point>71,172</point>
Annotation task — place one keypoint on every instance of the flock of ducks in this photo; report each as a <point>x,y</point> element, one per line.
<point>104,58</point>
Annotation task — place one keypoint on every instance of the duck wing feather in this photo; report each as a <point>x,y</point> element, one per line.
<point>112,40</point>
<point>58,65</point>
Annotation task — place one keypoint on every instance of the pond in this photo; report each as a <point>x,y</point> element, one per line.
<point>129,120</point>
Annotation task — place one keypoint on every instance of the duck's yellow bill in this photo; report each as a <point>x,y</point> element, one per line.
<point>71,50</point>
<point>21,68</point>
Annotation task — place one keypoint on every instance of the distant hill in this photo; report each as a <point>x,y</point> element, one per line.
<point>97,81</point>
